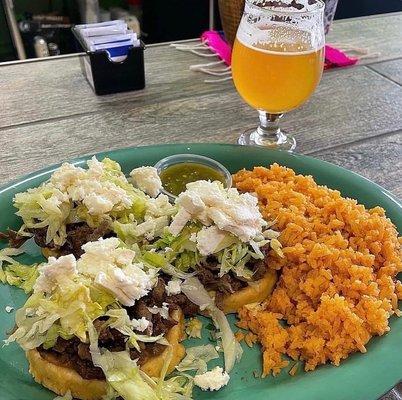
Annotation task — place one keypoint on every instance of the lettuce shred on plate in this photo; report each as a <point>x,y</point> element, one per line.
<point>197,358</point>
<point>14,273</point>
<point>196,293</point>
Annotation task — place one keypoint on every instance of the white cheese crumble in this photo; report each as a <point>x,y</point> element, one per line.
<point>208,240</point>
<point>173,287</point>
<point>9,309</point>
<point>147,180</point>
<point>156,219</point>
<point>56,272</point>
<point>88,186</point>
<point>140,325</point>
<point>113,269</point>
<point>212,380</point>
<point>163,311</point>
<point>210,203</point>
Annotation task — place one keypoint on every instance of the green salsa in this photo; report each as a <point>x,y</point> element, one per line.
<point>175,178</point>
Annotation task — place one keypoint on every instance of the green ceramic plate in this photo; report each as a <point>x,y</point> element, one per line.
<point>360,377</point>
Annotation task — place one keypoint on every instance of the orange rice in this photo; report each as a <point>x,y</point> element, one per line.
<point>337,286</point>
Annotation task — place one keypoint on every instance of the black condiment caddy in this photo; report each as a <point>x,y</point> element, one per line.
<point>106,76</point>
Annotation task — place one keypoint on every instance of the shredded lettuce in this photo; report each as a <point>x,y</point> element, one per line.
<point>14,273</point>
<point>153,259</point>
<point>175,253</point>
<point>197,358</point>
<point>70,307</point>
<point>196,293</point>
<point>19,275</point>
<point>126,379</point>
<point>235,257</point>
<point>53,333</point>
<point>7,254</point>
<point>119,319</point>
<point>45,206</point>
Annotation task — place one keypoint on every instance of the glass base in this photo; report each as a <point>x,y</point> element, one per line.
<point>281,141</point>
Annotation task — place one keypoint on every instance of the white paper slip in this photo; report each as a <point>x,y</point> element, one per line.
<point>100,24</point>
<point>94,40</point>
<point>104,30</point>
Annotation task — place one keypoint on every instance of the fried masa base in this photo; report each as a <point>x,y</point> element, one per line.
<point>60,379</point>
<point>254,293</point>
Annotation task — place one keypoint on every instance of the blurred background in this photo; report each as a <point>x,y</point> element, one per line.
<point>41,28</point>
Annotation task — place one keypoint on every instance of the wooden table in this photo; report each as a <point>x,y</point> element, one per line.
<point>50,114</point>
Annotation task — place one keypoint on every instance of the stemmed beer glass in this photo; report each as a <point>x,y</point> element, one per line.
<point>277,63</point>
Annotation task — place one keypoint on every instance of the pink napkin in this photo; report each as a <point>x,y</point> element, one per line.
<point>218,45</point>
<point>334,57</point>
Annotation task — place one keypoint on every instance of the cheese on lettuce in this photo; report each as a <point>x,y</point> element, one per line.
<point>147,179</point>
<point>72,194</point>
<point>210,203</point>
<point>113,268</point>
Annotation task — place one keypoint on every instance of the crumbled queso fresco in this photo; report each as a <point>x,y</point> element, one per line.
<point>55,272</point>
<point>147,180</point>
<point>113,269</point>
<point>173,287</point>
<point>212,380</point>
<point>210,203</point>
<point>86,185</point>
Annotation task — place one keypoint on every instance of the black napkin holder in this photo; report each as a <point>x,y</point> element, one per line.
<point>106,76</point>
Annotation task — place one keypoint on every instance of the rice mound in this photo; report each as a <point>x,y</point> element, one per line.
<point>337,286</point>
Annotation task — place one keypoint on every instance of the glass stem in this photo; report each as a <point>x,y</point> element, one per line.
<point>269,129</point>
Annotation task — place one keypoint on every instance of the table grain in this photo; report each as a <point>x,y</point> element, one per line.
<point>49,113</point>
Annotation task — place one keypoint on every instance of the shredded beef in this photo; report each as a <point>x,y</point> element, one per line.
<point>161,325</point>
<point>14,239</point>
<point>158,294</point>
<point>65,353</point>
<point>229,283</point>
<point>178,301</point>
<point>147,352</point>
<point>74,354</point>
<point>77,235</point>
<point>181,301</point>
<point>156,297</point>
<point>226,284</point>
<point>110,338</point>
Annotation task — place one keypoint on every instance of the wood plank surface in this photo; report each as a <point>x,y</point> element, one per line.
<point>53,89</point>
<point>390,69</point>
<point>378,159</point>
<point>378,34</point>
<point>57,88</point>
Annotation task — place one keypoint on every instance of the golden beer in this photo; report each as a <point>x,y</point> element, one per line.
<point>276,76</point>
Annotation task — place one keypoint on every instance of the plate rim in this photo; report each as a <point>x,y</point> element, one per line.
<point>83,158</point>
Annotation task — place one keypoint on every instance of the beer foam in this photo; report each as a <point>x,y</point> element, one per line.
<point>265,26</point>
<point>287,40</point>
